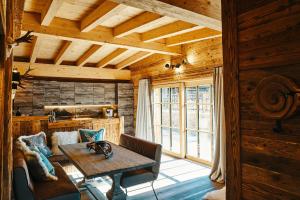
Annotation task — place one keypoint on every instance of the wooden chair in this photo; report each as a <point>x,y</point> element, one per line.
<point>145,148</point>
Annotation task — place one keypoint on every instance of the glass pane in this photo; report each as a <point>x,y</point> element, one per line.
<point>165,138</point>
<point>175,115</point>
<point>165,95</point>
<point>191,116</point>
<point>166,114</point>
<point>157,114</point>
<point>204,94</point>
<point>192,143</point>
<point>175,95</point>
<point>156,95</point>
<point>157,133</point>
<point>191,95</point>
<point>205,146</point>
<point>204,118</point>
<point>175,140</point>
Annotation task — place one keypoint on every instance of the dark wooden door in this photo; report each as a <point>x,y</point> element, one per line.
<point>261,38</point>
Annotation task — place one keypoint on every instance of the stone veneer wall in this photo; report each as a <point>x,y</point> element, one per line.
<point>38,93</point>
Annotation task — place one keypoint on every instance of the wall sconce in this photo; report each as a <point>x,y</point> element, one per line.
<point>176,66</point>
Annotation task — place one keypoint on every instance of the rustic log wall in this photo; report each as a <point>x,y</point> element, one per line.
<point>38,93</point>
<point>202,57</point>
<point>261,163</point>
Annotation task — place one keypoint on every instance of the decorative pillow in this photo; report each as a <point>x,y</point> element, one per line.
<point>39,166</point>
<point>88,135</point>
<point>37,140</point>
<point>61,138</point>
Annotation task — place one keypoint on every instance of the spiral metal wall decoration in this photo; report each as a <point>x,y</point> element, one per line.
<point>277,97</point>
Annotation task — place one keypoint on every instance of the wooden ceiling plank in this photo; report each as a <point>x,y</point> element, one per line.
<point>49,11</point>
<point>194,36</point>
<point>84,58</point>
<point>132,25</point>
<point>62,52</point>
<point>75,72</point>
<point>169,30</point>
<point>68,30</point>
<point>103,12</point>
<point>209,14</point>
<point>133,59</point>
<point>35,48</point>
<point>111,57</point>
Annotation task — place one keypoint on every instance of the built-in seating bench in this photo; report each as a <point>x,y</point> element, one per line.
<point>25,188</point>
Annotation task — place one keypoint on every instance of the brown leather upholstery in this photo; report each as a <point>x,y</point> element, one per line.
<point>62,187</point>
<point>145,148</point>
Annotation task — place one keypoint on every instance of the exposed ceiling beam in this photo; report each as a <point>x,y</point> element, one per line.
<point>169,30</point>
<point>35,48</point>
<point>132,25</point>
<point>133,59</point>
<point>68,30</point>
<point>111,57</point>
<point>103,12</point>
<point>84,58</point>
<point>62,52</point>
<point>194,36</point>
<point>72,72</point>
<point>201,12</point>
<point>49,11</point>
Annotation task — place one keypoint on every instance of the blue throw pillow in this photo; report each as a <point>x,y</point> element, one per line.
<point>87,135</point>
<point>39,141</point>
<point>39,166</point>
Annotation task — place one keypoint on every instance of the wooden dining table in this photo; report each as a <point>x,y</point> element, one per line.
<point>93,165</point>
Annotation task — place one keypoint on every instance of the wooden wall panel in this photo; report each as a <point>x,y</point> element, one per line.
<point>267,43</point>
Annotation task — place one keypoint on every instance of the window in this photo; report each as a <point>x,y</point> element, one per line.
<point>199,129</point>
<point>167,118</point>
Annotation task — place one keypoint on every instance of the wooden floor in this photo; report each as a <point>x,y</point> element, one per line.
<point>178,179</point>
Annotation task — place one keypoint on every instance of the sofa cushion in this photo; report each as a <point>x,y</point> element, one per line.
<point>88,135</point>
<point>63,188</point>
<point>61,138</point>
<point>136,177</point>
<point>39,166</point>
<point>38,140</point>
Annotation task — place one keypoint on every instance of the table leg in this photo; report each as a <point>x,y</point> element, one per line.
<point>116,193</point>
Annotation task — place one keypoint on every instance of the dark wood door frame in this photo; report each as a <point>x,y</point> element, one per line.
<point>231,98</point>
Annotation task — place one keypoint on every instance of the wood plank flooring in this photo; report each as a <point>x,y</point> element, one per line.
<point>179,179</point>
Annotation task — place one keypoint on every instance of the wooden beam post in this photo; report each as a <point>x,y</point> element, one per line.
<point>132,25</point>
<point>194,36</point>
<point>103,12</point>
<point>62,52</point>
<point>35,49</point>
<point>72,72</point>
<point>111,57</point>
<point>133,59</point>
<point>209,14</point>
<point>169,30</point>
<point>68,30</point>
<point>49,11</point>
<point>84,58</point>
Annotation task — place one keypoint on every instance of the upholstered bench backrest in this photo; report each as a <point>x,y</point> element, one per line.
<point>143,147</point>
<point>22,183</point>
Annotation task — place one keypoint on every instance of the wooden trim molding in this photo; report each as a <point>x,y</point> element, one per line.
<point>231,99</point>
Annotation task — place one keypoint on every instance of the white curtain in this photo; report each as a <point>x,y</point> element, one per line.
<point>219,165</point>
<point>144,122</point>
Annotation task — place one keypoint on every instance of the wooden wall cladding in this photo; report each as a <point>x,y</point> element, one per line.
<point>268,44</point>
<point>38,93</point>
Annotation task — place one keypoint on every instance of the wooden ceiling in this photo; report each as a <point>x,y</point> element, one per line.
<point>113,34</point>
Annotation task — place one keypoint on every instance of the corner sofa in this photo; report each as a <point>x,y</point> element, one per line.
<point>27,189</point>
